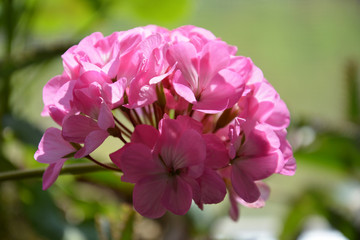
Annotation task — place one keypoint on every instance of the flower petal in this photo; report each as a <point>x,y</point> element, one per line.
<point>52,147</point>
<point>77,127</point>
<point>137,162</point>
<point>177,196</point>
<point>258,168</point>
<point>190,150</point>
<point>184,54</point>
<point>147,196</point>
<point>106,119</point>
<point>92,141</point>
<point>145,134</point>
<point>243,185</point>
<point>212,188</point>
<point>51,173</point>
<point>216,154</point>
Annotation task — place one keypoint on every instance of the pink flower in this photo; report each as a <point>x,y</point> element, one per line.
<point>86,130</point>
<point>53,150</point>
<point>57,96</point>
<point>163,165</point>
<point>199,119</point>
<point>211,187</point>
<point>255,155</point>
<point>235,199</point>
<point>202,77</point>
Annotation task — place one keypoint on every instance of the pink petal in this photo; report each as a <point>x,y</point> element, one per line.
<point>77,127</point>
<point>212,188</point>
<point>187,122</point>
<point>289,167</point>
<point>92,141</point>
<point>145,134</point>
<point>137,162</point>
<point>147,196</point>
<point>117,155</point>
<point>258,168</point>
<point>51,173</point>
<point>114,92</point>
<point>182,88</point>
<point>106,118</point>
<point>280,117</point>
<point>149,44</point>
<point>234,208</point>
<point>244,185</point>
<point>214,57</point>
<point>216,153</point>
<point>264,195</point>
<point>161,77</point>
<point>218,96</point>
<point>56,114</point>
<point>52,147</point>
<point>170,132</point>
<point>177,196</point>
<point>184,54</point>
<point>189,151</point>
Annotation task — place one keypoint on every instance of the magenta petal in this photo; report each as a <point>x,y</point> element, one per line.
<point>92,141</point>
<point>147,196</point>
<point>145,134</point>
<point>280,117</point>
<point>212,187</point>
<point>184,54</point>
<point>177,196</point>
<point>114,92</point>
<point>289,167</point>
<point>137,162</point>
<point>215,56</point>
<point>52,147</point>
<point>106,119</point>
<point>51,89</point>
<point>77,127</point>
<point>216,153</point>
<point>243,185</point>
<point>259,167</point>
<point>183,88</point>
<point>51,173</point>
<point>117,155</point>
<point>234,208</point>
<point>190,150</point>
<point>264,195</point>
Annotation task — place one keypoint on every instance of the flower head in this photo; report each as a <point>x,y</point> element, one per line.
<point>194,120</point>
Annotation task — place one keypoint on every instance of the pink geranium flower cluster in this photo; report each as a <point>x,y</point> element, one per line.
<point>195,121</point>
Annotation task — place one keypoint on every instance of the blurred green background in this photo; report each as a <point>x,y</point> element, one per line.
<point>309,50</point>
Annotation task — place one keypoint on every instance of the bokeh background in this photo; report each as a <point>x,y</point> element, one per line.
<point>309,50</point>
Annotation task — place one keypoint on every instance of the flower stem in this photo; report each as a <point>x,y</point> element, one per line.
<point>67,169</point>
<point>107,166</point>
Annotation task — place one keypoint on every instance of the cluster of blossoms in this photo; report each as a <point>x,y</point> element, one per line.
<point>194,121</point>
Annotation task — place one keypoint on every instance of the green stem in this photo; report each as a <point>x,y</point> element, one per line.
<point>38,172</point>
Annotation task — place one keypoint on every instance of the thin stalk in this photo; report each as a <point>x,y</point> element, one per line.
<point>150,116</point>
<point>107,166</point>
<point>128,115</point>
<point>124,129</point>
<point>79,168</point>
<point>138,119</point>
<point>146,116</point>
